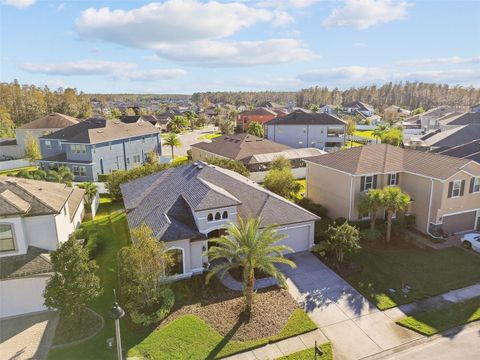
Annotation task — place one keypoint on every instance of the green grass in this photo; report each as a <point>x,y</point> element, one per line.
<point>180,159</point>
<point>209,136</point>
<point>366,133</point>
<point>111,225</point>
<point>189,337</point>
<point>435,321</point>
<point>302,190</point>
<point>17,170</point>
<point>309,354</point>
<point>428,273</point>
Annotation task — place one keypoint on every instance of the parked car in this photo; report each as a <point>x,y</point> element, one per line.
<point>471,241</point>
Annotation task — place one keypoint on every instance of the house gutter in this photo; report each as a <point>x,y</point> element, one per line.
<point>350,199</point>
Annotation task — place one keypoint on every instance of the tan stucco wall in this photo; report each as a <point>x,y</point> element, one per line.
<point>329,188</point>
<point>202,155</point>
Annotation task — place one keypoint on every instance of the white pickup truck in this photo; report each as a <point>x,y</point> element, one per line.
<point>471,241</point>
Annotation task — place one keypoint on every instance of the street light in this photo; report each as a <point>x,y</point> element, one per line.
<point>116,313</point>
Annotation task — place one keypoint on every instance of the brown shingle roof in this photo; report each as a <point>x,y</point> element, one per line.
<point>35,261</point>
<point>43,197</point>
<point>383,158</point>
<point>258,111</point>
<point>51,121</point>
<point>240,146</point>
<point>302,117</point>
<point>98,130</point>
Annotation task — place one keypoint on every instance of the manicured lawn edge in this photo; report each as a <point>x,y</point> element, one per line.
<point>434,321</point>
<point>308,354</point>
<point>209,136</point>
<point>191,332</point>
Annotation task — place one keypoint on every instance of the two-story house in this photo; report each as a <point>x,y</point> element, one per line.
<point>303,129</point>
<point>187,205</point>
<point>35,218</point>
<point>445,190</point>
<point>99,146</point>
<point>366,110</point>
<point>259,115</point>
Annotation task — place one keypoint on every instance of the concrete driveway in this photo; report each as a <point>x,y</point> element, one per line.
<point>353,324</point>
<point>28,336</point>
<point>188,139</point>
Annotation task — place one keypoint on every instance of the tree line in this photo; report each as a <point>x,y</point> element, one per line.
<point>21,104</point>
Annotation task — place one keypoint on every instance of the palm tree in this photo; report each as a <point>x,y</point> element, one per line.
<point>250,247</point>
<point>172,140</point>
<point>371,202</point>
<point>393,199</point>
<point>256,129</point>
<point>380,130</point>
<point>90,193</point>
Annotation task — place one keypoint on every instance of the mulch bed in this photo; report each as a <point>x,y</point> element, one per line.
<point>68,331</point>
<point>271,311</point>
<point>237,274</point>
<point>345,269</point>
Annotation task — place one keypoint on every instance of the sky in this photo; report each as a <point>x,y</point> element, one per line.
<point>186,46</point>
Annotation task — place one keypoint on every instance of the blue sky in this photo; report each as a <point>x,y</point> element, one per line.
<point>183,46</point>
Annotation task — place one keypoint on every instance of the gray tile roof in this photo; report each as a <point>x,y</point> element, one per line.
<point>98,130</point>
<point>35,261</point>
<point>462,119</point>
<point>453,137</point>
<point>36,197</point>
<point>164,200</point>
<point>301,117</point>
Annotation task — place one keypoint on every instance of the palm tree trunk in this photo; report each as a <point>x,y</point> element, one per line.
<point>249,292</point>
<point>173,156</point>
<point>389,226</point>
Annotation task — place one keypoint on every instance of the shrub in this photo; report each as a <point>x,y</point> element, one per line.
<point>370,235</point>
<point>166,299</point>
<point>229,164</point>
<point>340,220</point>
<point>321,227</point>
<point>102,177</point>
<point>317,209</point>
<point>342,239</point>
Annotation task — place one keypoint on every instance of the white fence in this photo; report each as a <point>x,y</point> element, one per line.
<point>259,176</point>
<point>365,127</point>
<point>13,164</point>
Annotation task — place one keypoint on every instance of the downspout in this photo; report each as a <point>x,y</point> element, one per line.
<point>429,212</point>
<point>350,199</point>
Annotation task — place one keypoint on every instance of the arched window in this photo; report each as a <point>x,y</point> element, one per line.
<point>225,215</point>
<point>176,268</point>
<point>209,217</point>
<point>217,216</point>
<point>7,242</point>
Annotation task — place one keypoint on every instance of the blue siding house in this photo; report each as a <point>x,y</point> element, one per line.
<point>99,146</point>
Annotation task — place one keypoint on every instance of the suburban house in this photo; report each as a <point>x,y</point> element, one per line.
<point>465,118</point>
<point>394,113</point>
<point>35,218</point>
<point>15,148</point>
<point>360,107</point>
<point>99,146</point>
<point>475,108</point>
<point>303,129</point>
<point>187,205</point>
<point>328,109</point>
<point>260,115</point>
<point>445,190</point>
<point>159,121</point>
<point>430,119</point>
<point>254,152</point>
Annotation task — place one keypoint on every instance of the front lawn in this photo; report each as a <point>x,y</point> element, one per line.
<point>209,136</point>
<point>366,133</point>
<point>435,321</point>
<point>394,277</point>
<point>309,354</point>
<point>14,172</point>
<point>189,337</point>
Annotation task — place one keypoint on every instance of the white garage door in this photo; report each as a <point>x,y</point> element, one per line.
<point>22,296</point>
<point>298,238</point>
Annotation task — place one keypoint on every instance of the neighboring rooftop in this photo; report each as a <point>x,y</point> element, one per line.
<point>51,121</point>
<point>258,111</point>
<point>165,200</point>
<point>152,119</point>
<point>300,116</point>
<point>453,137</point>
<point>464,118</point>
<point>34,261</point>
<point>384,158</point>
<point>360,105</point>
<point>98,130</point>
<point>24,197</point>
<point>291,154</point>
<point>240,146</point>
<point>470,150</point>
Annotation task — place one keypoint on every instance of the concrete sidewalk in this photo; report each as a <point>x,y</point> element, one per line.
<point>282,348</point>
<point>354,325</point>
<point>434,302</point>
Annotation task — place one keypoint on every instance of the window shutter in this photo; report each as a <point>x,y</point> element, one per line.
<point>389,178</point>
<point>450,189</point>
<point>362,183</point>
<point>374,181</point>
<point>462,188</point>
<point>397,179</point>
<point>472,181</point>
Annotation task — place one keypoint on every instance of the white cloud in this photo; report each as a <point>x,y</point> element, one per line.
<point>453,60</point>
<point>236,53</point>
<point>293,4</point>
<point>20,4</point>
<point>173,21</point>
<point>282,18</point>
<point>116,70</point>
<point>363,14</point>
<point>358,75</point>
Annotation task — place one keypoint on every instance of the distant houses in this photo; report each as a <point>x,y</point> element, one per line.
<point>159,121</point>
<point>303,129</point>
<point>254,152</point>
<point>259,115</point>
<point>98,146</point>
<point>36,217</point>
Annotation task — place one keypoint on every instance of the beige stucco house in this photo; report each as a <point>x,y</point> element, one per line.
<point>445,191</point>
